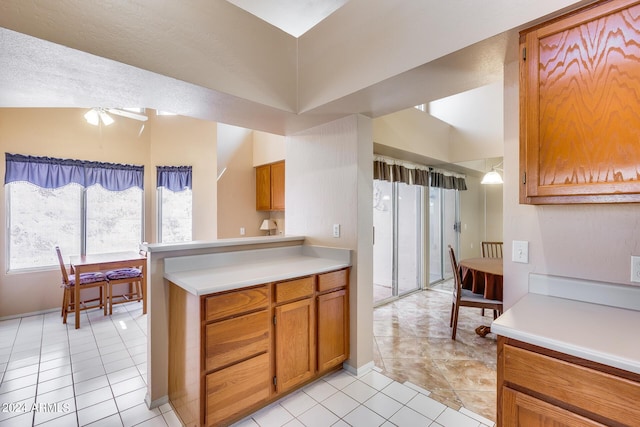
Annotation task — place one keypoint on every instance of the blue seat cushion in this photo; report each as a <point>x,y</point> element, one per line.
<point>124,273</point>
<point>86,278</point>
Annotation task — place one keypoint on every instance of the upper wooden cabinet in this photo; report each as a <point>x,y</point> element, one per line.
<point>580,107</point>
<point>270,187</point>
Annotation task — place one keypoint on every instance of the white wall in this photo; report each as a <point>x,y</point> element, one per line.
<point>477,122</point>
<point>329,180</point>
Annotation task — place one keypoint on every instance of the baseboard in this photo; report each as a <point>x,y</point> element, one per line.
<point>156,403</point>
<point>359,371</point>
<point>32,313</point>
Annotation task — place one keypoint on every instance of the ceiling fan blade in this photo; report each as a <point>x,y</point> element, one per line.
<point>127,114</point>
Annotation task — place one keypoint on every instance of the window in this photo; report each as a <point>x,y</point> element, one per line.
<point>174,204</point>
<point>114,219</point>
<point>84,207</point>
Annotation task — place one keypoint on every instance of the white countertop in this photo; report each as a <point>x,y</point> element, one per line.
<point>206,274</point>
<point>600,333</point>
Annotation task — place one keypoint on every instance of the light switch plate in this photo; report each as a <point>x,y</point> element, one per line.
<point>635,268</point>
<point>520,251</point>
<point>336,230</point>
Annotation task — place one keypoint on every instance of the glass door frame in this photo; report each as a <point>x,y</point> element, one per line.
<point>421,235</point>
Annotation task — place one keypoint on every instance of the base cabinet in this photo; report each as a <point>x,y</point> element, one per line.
<point>231,390</point>
<point>540,387</point>
<point>233,352</point>
<point>295,344</point>
<point>333,342</point>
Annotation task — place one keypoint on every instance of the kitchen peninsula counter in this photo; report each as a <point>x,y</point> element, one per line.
<point>183,262</point>
<point>210,273</point>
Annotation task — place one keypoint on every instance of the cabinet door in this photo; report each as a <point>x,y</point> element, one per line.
<point>277,186</point>
<point>231,391</point>
<point>295,343</point>
<point>333,329</point>
<point>263,188</point>
<point>580,119</point>
<point>522,410</point>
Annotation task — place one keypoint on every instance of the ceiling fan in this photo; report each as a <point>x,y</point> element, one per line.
<point>97,114</point>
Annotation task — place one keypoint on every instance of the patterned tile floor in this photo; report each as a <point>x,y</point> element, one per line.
<point>412,342</point>
<point>96,375</point>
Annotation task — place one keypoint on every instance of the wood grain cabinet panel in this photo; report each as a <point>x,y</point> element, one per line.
<point>333,329</point>
<point>294,289</point>
<point>579,107</point>
<point>236,302</point>
<point>236,339</point>
<point>540,387</point>
<point>270,184</point>
<point>232,390</point>
<point>295,343</point>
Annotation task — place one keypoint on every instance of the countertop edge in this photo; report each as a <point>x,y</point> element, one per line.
<point>509,326</point>
<point>230,286</point>
<point>204,244</point>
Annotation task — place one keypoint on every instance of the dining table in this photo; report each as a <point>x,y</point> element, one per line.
<point>104,262</point>
<point>483,276</point>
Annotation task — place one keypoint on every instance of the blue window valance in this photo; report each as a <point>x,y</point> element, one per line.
<point>174,178</point>
<point>49,172</point>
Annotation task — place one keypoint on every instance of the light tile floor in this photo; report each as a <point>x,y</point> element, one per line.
<point>96,376</point>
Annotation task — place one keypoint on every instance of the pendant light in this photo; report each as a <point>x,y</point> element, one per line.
<point>493,177</point>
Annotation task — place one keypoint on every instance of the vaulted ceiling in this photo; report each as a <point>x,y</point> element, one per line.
<point>216,61</point>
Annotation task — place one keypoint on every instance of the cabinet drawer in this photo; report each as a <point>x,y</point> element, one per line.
<point>233,390</point>
<point>234,303</point>
<point>294,289</point>
<point>236,339</point>
<point>335,279</point>
<point>588,389</point>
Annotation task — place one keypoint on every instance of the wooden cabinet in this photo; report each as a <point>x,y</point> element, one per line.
<point>332,319</point>
<point>222,345</point>
<point>294,326</point>
<point>233,352</point>
<point>270,187</point>
<point>540,387</point>
<point>579,107</point>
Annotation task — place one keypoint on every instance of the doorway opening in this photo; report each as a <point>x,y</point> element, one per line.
<point>398,249</point>
<point>444,230</point>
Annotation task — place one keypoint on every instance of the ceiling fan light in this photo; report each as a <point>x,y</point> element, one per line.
<point>106,119</point>
<point>492,177</point>
<point>92,117</point>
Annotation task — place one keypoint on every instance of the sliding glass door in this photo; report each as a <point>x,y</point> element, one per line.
<point>444,230</point>
<point>398,219</point>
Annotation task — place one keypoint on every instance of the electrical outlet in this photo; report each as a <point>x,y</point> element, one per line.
<point>336,230</point>
<point>520,251</point>
<point>635,268</point>
<point>242,231</point>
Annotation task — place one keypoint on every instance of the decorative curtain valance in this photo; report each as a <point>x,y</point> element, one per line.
<point>174,178</point>
<point>448,182</point>
<point>393,170</point>
<point>49,172</point>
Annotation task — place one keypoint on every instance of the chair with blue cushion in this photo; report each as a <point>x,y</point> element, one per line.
<point>466,298</point>
<point>130,276</point>
<point>87,281</point>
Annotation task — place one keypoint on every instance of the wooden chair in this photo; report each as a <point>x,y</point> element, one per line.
<point>491,249</point>
<point>131,276</point>
<point>87,281</point>
<point>466,298</point>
